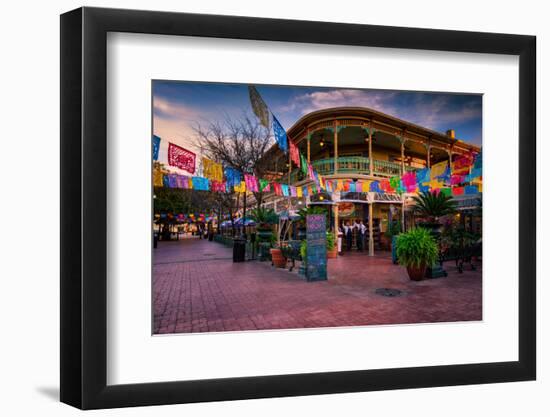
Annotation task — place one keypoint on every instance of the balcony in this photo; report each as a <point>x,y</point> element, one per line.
<point>358,165</point>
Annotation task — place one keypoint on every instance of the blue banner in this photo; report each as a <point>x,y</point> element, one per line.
<point>156,147</point>
<point>280,135</point>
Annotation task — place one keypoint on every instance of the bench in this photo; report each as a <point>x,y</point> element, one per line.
<point>461,255</point>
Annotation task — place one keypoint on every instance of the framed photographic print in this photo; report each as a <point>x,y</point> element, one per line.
<point>258,208</point>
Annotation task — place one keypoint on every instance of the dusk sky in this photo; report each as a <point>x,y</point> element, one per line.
<point>178,106</point>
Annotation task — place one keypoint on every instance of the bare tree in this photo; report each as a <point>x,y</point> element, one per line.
<point>237,143</point>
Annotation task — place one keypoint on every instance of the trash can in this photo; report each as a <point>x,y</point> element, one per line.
<point>239,249</point>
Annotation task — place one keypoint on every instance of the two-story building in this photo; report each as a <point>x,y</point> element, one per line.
<point>360,144</point>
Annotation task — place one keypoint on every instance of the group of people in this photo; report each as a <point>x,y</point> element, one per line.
<point>347,228</point>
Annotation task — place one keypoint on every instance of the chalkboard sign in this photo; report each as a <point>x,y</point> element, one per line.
<point>316,260</point>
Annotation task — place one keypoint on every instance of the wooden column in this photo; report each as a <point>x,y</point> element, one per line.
<point>428,163</point>
<point>450,161</point>
<point>403,215</point>
<point>371,161</point>
<point>336,229</point>
<point>336,147</point>
<point>371,233</point>
<point>289,165</point>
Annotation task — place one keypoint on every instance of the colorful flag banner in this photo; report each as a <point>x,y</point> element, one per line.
<point>458,179</point>
<point>310,172</point>
<point>181,158</point>
<point>217,186</point>
<point>251,183</point>
<point>293,191</point>
<point>200,183</point>
<point>157,178</point>
<point>258,106</point>
<point>423,175</point>
<point>284,188</point>
<point>294,153</point>
<point>280,135</point>
<point>303,164</point>
<point>232,176</point>
<point>470,189</point>
<point>264,186</point>
<point>212,170</point>
<point>374,187</point>
<point>438,170</point>
<point>299,192</point>
<point>156,147</point>
<point>458,190</point>
<point>240,188</point>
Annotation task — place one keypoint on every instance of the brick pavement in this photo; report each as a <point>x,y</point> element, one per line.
<point>197,288</point>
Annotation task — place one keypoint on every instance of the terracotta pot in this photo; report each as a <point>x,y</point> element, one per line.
<point>416,273</point>
<point>277,258</point>
<point>332,254</point>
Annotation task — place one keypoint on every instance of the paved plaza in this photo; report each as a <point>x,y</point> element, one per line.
<point>197,288</point>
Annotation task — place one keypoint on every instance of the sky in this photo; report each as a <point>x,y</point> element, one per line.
<point>179,106</point>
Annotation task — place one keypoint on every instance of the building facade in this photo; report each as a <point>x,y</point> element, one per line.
<point>360,144</point>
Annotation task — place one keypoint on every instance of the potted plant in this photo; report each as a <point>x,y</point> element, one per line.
<point>332,251</point>
<point>416,250</point>
<point>264,219</point>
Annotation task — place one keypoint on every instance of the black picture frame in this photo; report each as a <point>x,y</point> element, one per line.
<point>84,207</point>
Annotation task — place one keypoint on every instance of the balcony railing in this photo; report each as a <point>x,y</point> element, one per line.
<point>358,165</point>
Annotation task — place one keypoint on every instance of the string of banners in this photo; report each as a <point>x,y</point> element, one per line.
<point>463,176</point>
<point>438,178</point>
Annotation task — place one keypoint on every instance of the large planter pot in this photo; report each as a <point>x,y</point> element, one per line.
<point>332,254</point>
<point>277,258</point>
<point>416,273</point>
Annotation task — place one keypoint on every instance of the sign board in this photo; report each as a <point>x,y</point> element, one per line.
<point>316,236</point>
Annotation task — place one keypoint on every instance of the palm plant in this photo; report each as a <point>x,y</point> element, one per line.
<point>433,205</point>
<point>264,216</point>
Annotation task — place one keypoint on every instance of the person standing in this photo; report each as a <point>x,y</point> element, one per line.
<point>348,231</point>
<point>363,233</point>
<point>359,238</point>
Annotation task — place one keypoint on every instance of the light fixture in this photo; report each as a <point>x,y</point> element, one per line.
<point>321,198</point>
<point>321,142</point>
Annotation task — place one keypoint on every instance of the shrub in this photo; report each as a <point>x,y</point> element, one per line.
<point>416,248</point>
<point>330,241</point>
